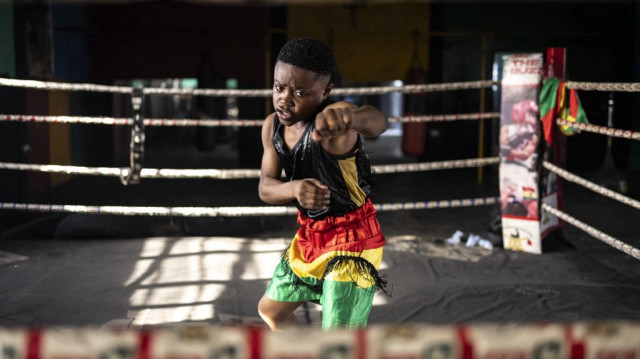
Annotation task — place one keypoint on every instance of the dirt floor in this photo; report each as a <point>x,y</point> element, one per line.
<point>74,269</point>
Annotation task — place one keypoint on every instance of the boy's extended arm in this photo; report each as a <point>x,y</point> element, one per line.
<point>310,192</point>
<point>342,116</point>
<point>336,126</point>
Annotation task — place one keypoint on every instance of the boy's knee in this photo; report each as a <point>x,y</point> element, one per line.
<point>263,308</point>
<point>276,313</point>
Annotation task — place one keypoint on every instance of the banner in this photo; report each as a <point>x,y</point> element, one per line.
<point>519,142</point>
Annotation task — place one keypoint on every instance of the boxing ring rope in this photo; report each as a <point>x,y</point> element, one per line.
<point>169,122</point>
<point>237,211</point>
<point>377,90</point>
<point>602,130</point>
<point>615,243</point>
<point>236,173</point>
<point>604,86</point>
<point>590,185</point>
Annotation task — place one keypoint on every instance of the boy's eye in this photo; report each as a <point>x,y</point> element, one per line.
<point>299,93</point>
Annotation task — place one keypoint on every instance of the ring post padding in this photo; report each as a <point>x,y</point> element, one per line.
<point>136,147</point>
<point>519,159</point>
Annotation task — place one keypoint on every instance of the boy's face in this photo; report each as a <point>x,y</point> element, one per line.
<point>297,93</point>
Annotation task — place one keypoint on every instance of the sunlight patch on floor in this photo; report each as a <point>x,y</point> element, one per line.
<point>181,279</point>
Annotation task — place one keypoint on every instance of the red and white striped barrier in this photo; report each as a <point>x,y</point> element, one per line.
<point>582,340</point>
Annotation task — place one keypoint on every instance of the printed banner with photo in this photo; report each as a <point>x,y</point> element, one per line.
<point>519,140</point>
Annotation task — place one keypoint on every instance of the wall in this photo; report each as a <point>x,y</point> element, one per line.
<point>7,56</point>
<point>372,43</point>
<point>168,39</point>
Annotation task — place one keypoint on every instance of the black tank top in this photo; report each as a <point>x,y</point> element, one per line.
<point>348,176</point>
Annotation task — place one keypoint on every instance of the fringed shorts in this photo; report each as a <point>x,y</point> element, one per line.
<point>333,262</point>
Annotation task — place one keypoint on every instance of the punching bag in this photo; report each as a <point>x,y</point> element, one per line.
<point>415,104</point>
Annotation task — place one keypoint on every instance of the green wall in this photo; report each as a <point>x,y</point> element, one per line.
<point>7,62</point>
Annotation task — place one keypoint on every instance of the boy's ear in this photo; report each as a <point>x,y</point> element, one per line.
<point>327,90</point>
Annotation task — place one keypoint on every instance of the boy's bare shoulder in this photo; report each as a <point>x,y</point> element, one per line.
<point>270,118</point>
<point>267,125</point>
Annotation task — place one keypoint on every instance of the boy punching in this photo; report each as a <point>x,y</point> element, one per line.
<point>334,257</point>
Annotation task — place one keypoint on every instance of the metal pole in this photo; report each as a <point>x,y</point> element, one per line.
<point>481,124</point>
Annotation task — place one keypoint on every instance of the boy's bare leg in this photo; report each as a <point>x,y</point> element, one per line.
<point>278,314</point>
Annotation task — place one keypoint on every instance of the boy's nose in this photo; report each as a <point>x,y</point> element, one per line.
<point>285,98</point>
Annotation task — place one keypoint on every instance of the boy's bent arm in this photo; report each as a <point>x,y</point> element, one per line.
<point>310,193</point>
<point>271,189</point>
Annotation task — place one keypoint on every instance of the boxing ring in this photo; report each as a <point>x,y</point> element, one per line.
<point>392,333</point>
<point>136,170</point>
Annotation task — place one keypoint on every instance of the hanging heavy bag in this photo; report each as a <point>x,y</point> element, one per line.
<point>414,133</point>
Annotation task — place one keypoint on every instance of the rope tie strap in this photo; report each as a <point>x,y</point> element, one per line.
<point>136,146</point>
<point>603,130</point>
<point>590,185</point>
<point>613,242</point>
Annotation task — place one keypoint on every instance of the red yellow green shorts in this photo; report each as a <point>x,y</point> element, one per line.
<point>333,262</point>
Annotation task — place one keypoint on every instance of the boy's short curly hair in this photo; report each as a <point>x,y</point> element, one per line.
<point>309,54</point>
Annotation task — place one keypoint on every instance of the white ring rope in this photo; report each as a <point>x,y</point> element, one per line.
<point>49,85</point>
<point>234,173</point>
<point>421,88</point>
<point>154,211</point>
<point>603,130</point>
<point>615,243</point>
<point>129,121</point>
<point>450,203</point>
<point>437,165</point>
<point>590,185</point>
<point>145,172</point>
<point>228,211</point>
<point>444,118</point>
<point>604,86</point>
<point>220,122</point>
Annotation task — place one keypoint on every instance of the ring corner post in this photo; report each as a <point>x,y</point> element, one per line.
<point>519,152</point>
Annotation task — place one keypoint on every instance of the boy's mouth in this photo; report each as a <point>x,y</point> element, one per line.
<point>283,115</point>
